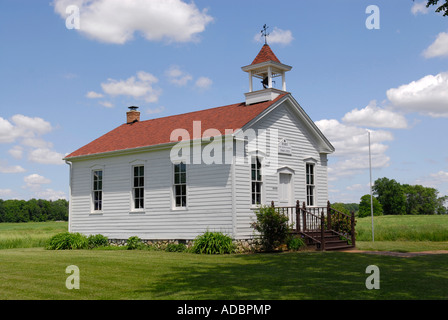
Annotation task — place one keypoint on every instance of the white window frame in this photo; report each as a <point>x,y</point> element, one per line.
<point>93,209</point>
<point>259,182</point>
<point>310,183</point>
<point>133,187</point>
<point>174,184</point>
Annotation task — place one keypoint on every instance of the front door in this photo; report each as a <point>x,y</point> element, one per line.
<point>284,189</point>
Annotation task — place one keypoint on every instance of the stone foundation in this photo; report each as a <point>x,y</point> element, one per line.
<point>241,245</point>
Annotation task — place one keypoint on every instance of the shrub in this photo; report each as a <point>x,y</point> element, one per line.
<point>171,247</point>
<point>134,242</point>
<point>67,241</point>
<point>295,243</point>
<point>213,243</point>
<point>97,240</point>
<point>273,227</point>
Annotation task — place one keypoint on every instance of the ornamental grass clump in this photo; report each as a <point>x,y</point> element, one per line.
<point>213,243</point>
<point>68,241</point>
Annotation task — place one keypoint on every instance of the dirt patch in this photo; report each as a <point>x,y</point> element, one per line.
<point>399,254</point>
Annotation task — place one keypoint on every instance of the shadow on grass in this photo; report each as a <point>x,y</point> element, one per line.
<point>297,276</point>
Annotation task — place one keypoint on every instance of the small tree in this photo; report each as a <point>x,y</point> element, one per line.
<point>273,227</point>
<point>365,207</point>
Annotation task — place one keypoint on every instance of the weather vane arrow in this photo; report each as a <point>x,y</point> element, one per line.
<point>264,33</point>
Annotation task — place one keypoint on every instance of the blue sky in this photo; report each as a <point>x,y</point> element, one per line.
<point>64,87</point>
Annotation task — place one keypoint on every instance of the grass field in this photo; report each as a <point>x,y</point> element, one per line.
<point>408,228</point>
<point>28,271</point>
<point>120,274</point>
<point>403,233</point>
<point>28,235</point>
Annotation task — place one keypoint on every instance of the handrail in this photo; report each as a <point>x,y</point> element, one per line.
<point>319,219</point>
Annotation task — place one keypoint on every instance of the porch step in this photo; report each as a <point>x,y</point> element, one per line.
<point>332,240</point>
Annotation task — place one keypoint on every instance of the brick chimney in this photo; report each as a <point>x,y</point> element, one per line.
<point>132,115</point>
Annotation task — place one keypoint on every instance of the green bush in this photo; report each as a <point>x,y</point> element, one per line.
<point>295,243</point>
<point>273,227</point>
<point>134,242</point>
<point>176,247</point>
<point>97,240</point>
<point>68,241</point>
<point>213,243</point>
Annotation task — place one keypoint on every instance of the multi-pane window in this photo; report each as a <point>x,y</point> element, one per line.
<point>97,190</point>
<point>180,185</point>
<point>309,184</point>
<point>257,180</point>
<point>138,189</point>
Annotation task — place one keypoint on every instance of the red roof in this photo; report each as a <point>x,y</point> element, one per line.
<point>264,55</point>
<point>158,131</point>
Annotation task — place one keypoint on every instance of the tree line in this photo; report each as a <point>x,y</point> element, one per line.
<point>393,198</point>
<point>36,210</point>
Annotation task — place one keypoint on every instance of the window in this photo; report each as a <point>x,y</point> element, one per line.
<point>256,179</point>
<point>97,190</point>
<point>138,189</point>
<point>309,184</point>
<point>180,185</point>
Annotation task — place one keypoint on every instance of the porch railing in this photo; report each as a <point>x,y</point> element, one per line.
<point>311,220</point>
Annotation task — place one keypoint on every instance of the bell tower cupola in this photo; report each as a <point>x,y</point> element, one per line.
<point>266,66</point>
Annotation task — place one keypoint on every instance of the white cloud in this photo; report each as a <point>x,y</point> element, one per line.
<point>352,148</point>
<point>116,21</point>
<point>22,127</point>
<point>34,181</point>
<point>6,131</point>
<point>440,177</point>
<point>276,36</point>
<point>155,110</point>
<point>4,168</point>
<point>94,95</point>
<point>428,96</point>
<point>106,104</point>
<point>30,127</point>
<point>138,87</point>
<point>28,132</point>
<point>419,7</point>
<point>50,194</point>
<point>177,76</point>
<point>439,48</point>
<point>37,143</point>
<point>203,83</point>
<point>5,192</point>
<point>46,156</point>
<point>376,117</point>
<point>16,152</point>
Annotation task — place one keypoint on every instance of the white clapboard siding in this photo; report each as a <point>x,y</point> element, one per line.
<point>304,149</point>
<point>206,210</point>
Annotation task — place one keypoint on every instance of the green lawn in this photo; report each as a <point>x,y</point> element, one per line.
<point>27,271</point>
<point>120,274</point>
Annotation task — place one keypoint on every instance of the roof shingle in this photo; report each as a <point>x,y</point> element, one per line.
<point>158,131</point>
<point>265,54</point>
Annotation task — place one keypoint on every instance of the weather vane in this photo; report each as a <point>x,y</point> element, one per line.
<point>264,33</point>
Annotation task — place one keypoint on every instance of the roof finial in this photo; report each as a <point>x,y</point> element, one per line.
<point>264,33</point>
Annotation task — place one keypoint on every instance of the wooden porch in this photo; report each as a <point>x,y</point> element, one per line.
<point>324,228</point>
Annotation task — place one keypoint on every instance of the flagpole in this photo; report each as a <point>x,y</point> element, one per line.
<point>371,196</point>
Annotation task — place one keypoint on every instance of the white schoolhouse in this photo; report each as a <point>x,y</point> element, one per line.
<point>175,177</point>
